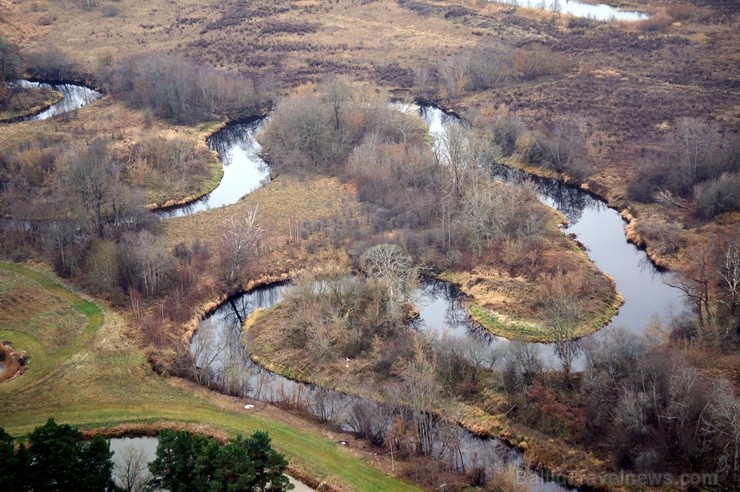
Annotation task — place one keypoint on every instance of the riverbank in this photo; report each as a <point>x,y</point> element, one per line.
<point>99,363</point>
<point>31,102</point>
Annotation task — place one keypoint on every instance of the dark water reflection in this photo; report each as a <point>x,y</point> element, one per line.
<point>75,97</point>
<point>244,170</point>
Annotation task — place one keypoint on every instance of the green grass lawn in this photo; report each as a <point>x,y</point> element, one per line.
<point>95,377</point>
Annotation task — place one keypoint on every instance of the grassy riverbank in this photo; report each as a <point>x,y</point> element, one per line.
<point>83,371</point>
<point>27,102</point>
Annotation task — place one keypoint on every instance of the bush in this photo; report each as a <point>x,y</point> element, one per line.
<point>183,91</point>
<point>717,196</point>
<point>50,63</point>
<point>110,11</point>
<point>11,65</point>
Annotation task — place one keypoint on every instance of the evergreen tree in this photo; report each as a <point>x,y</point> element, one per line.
<point>196,463</point>
<point>268,463</point>
<point>9,463</point>
<point>59,459</point>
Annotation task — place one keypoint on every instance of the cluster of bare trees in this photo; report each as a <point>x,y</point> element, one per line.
<point>638,400</point>
<point>709,278</point>
<point>487,65</point>
<point>695,170</point>
<point>332,314</point>
<point>239,247</point>
<point>655,409</point>
<point>315,131</point>
<point>181,90</point>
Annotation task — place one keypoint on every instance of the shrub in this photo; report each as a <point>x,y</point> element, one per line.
<point>110,11</point>
<point>50,63</point>
<point>183,91</point>
<point>716,196</point>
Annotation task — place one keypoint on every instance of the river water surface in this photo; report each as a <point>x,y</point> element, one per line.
<point>75,97</point>
<point>600,12</point>
<point>244,170</point>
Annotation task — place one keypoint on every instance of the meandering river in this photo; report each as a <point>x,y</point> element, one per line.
<point>74,97</point>
<point>244,171</point>
<point>598,227</point>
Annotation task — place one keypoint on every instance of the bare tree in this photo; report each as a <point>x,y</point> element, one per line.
<point>394,266</point>
<point>721,427</point>
<point>206,353</point>
<point>452,74</point>
<point>131,470</point>
<point>89,176</point>
<point>147,261</point>
<point>455,151</point>
<point>337,93</point>
<point>522,365</point>
<point>728,269</point>
<point>421,391</point>
<point>239,246</point>
<point>562,313</point>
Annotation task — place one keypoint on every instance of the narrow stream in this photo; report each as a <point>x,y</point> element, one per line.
<point>75,97</point>
<point>600,12</point>
<point>244,171</point>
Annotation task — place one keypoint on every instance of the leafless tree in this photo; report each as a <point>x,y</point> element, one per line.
<point>130,470</point>
<point>721,426</point>
<point>563,313</point>
<point>206,350</point>
<point>728,269</point>
<point>394,266</point>
<point>337,93</point>
<point>421,391</point>
<point>455,152</point>
<point>239,246</point>
<point>148,262</point>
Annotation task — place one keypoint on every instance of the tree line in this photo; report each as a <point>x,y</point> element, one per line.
<point>58,458</point>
